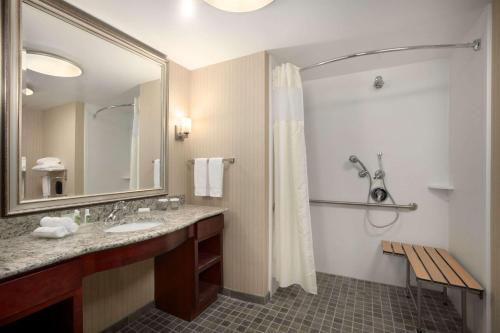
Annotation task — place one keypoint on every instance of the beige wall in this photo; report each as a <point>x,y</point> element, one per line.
<point>178,151</point>
<point>56,132</point>
<point>149,131</point>
<point>228,105</point>
<point>112,295</point>
<point>229,113</point>
<point>32,149</point>
<point>495,176</point>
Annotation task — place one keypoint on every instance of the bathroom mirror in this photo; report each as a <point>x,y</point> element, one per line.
<point>85,110</point>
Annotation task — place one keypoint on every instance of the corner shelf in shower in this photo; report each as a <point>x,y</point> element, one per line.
<point>441,186</point>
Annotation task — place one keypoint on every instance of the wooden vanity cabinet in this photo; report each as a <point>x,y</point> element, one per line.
<point>47,300</point>
<point>188,277</point>
<point>185,297</point>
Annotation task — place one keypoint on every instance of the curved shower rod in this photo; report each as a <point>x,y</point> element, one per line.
<point>475,45</point>
<point>109,107</point>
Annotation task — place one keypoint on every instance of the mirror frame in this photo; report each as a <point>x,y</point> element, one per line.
<point>11,106</point>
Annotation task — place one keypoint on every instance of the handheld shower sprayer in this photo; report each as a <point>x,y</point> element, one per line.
<point>377,188</point>
<point>363,171</point>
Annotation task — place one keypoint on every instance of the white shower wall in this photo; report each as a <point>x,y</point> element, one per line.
<point>107,150</point>
<point>407,120</point>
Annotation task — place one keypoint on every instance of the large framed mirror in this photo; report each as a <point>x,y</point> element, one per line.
<point>84,110</point>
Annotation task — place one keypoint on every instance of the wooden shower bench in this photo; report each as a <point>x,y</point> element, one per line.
<point>436,266</point>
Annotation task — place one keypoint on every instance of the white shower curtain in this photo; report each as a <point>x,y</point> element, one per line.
<point>293,258</point>
<point>134,149</point>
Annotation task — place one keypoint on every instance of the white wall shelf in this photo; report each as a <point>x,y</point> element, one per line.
<point>439,186</point>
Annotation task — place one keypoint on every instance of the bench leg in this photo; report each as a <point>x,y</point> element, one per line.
<point>408,291</point>
<point>464,311</point>
<point>445,295</point>
<point>419,306</point>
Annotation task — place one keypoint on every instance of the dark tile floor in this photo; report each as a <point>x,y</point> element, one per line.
<point>342,305</point>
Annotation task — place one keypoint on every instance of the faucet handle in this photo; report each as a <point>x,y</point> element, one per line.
<point>120,205</point>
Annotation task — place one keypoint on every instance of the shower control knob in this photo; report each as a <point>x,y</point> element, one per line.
<point>379,194</point>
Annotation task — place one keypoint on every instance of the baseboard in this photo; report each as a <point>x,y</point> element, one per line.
<point>130,318</point>
<point>246,297</point>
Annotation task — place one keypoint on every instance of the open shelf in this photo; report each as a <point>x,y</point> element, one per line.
<point>207,260</point>
<point>208,292</point>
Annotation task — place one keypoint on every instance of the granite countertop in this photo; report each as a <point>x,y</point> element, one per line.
<point>24,253</point>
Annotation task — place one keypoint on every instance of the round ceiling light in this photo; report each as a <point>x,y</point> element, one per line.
<point>238,6</point>
<point>50,64</point>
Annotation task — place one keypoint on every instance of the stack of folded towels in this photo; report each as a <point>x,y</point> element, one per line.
<point>55,227</point>
<point>49,164</point>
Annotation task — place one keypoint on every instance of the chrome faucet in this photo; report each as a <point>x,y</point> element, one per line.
<point>117,207</point>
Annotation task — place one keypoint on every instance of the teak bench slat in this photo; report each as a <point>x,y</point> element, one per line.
<point>460,271</point>
<point>449,274</point>
<point>430,266</point>
<point>418,266</point>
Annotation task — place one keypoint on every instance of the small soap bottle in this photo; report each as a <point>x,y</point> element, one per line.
<point>76,216</point>
<point>86,216</point>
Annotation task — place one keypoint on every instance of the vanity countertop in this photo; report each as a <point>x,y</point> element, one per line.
<point>25,253</point>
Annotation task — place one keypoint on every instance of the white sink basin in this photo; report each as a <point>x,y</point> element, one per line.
<point>129,227</point>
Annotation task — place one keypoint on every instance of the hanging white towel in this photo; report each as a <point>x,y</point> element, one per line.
<point>215,176</point>
<point>201,177</point>
<point>156,170</point>
<point>46,186</point>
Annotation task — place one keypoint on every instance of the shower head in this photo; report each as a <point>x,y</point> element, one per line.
<point>353,159</point>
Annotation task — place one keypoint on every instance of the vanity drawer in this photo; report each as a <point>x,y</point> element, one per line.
<point>32,290</point>
<point>209,227</point>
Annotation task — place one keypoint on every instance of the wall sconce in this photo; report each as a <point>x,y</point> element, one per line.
<point>182,131</point>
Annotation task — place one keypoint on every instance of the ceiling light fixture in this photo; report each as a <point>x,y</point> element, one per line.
<point>50,64</point>
<point>238,6</point>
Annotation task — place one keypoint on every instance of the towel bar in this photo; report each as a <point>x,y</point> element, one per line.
<point>228,160</point>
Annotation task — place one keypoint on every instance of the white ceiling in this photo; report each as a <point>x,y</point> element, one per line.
<point>195,34</point>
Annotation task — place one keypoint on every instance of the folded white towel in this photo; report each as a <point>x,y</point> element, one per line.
<point>215,176</point>
<point>51,232</point>
<point>49,167</point>
<point>200,177</point>
<point>65,222</point>
<point>48,160</point>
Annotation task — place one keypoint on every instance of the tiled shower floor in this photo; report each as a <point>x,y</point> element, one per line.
<point>342,305</point>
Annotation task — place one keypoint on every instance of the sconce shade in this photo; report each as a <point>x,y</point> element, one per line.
<point>186,125</point>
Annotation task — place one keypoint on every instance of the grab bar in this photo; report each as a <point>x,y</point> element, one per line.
<point>411,206</point>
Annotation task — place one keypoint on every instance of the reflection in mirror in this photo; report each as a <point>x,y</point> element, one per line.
<point>91,120</point>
